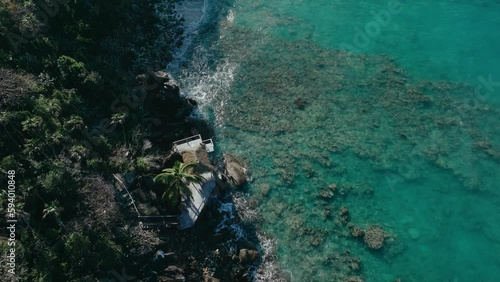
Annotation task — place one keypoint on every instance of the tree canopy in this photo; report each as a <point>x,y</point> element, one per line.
<point>62,65</point>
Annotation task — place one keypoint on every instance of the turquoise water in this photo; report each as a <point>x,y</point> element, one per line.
<point>405,125</point>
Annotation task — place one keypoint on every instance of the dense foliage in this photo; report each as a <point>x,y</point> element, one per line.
<point>65,67</point>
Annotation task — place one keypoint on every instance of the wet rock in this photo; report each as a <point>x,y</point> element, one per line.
<point>210,279</point>
<point>154,81</point>
<point>248,256</point>
<point>192,102</point>
<point>172,269</point>
<point>235,168</point>
<point>179,278</point>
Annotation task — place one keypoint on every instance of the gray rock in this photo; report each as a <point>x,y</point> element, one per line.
<point>210,279</point>
<point>249,256</point>
<point>236,170</point>
<point>172,269</point>
<point>179,278</point>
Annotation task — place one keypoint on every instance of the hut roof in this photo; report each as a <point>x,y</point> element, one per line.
<point>198,155</point>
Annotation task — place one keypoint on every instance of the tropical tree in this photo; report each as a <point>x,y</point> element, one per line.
<point>177,179</point>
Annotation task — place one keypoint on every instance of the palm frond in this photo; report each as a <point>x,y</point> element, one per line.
<point>176,179</point>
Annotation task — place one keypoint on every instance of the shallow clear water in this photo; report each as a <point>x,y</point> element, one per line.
<point>406,126</point>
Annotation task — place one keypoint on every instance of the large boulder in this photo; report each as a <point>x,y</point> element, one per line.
<point>249,256</point>
<point>236,170</point>
<point>154,81</point>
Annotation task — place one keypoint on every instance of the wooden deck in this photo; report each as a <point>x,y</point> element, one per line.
<point>193,142</point>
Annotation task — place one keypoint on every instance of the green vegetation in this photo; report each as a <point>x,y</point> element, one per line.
<point>176,180</point>
<point>65,68</point>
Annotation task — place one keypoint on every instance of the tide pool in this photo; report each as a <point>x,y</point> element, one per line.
<point>399,132</point>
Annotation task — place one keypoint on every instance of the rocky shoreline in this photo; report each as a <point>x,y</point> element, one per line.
<point>220,247</point>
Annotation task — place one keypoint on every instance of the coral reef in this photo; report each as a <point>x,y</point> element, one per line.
<point>374,237</point>
<point>366,127</point>
<point>356,231</point>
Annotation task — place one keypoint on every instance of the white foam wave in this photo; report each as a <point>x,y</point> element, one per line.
<point>205,84</point>
<point>244,210</point>
<point>269,269</point>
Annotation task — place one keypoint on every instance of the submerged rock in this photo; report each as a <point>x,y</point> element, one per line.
<point>356,231</point>
<point>354,279</point>
<point>172,269</point>
<point>208,278</point>
<point>374,237</point>
<point>235,168</point>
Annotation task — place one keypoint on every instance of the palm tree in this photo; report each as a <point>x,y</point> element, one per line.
<point>177,180</point>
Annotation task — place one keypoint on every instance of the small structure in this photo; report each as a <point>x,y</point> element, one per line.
<point>195,150</point>
<point>192,150</point>
<point>193,142</point>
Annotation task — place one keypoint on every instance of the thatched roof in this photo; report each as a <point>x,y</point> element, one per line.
<point>198,155</point>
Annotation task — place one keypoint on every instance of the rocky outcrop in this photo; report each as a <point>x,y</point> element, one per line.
<point>155,81</point>
<point>236,170</point>
<point>158,97</point>
<point>249,256</point>
<point>343,215</point>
